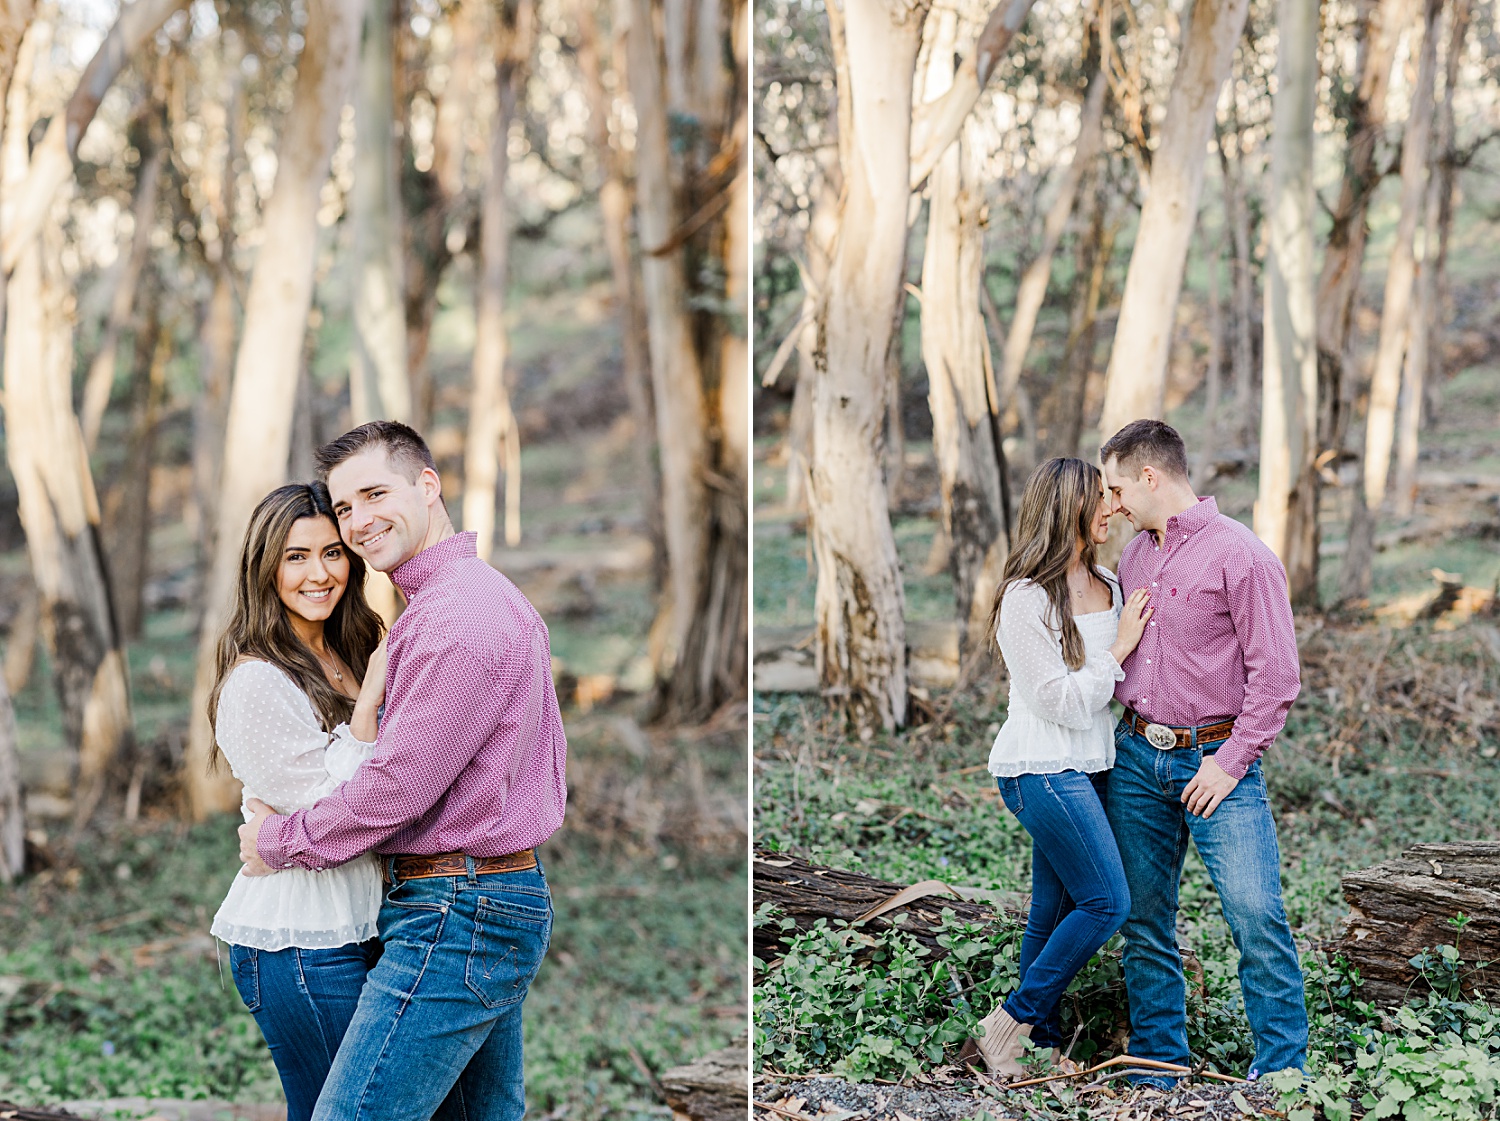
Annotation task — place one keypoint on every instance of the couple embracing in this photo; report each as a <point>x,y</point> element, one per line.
<point>1195,639</point>
<point>391,913</point>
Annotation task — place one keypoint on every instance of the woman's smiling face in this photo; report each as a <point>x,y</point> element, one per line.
<point>314,569</point>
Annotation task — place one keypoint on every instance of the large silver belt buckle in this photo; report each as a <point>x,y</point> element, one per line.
<point>1161,737</point>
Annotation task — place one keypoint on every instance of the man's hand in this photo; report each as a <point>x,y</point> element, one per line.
<point>1209,787</point>
<point>249,834</point>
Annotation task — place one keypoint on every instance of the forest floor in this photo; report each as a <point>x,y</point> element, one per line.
<point>109,983</point>
<point>1394,740</point>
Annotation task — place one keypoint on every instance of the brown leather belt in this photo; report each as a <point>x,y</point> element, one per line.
<point>1217,732</point>
<point>454,864</point>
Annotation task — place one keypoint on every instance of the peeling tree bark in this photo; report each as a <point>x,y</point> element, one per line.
<point>493,446</point>
<point>1136,379</point>
<point>1385,381</point>
<point>270,352</point>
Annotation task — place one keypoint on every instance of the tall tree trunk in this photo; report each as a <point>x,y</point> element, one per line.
<point>101,375</point>
<point>1424,356</point>
<point>1137,376</point>
<point>860,602</point>
<point>1217,348</point>
<point>822,236</point>
<point>269,357</point>
<point>1447,170</point>
<point>1378,26</point>
<point>12,797</point>
<point>1385,381</point>
<point>956,352</point>
<point>1033,287</point>
<point>1242,282</point>
<point>614,213</point>
<point>130,550</point>
<point>58,503</point>
<point>1289,375</point>
<point>676,372</point>
<point>492,424</point>
<point>378,385</point>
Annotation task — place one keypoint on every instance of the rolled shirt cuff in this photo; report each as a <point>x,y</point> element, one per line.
<point>269,845</point>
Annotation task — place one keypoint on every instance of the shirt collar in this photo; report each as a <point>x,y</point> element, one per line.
<point>1182,526</point>
<point>411,575</point>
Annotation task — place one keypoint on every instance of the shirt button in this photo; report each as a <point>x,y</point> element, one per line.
<point>1148,661</point>
<point>1153,622</point>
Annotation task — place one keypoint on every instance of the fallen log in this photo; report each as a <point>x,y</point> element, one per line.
<point>805,892</point>
<point>11,1112</point>
<point>1401,907</point>
<point>715,1087</point>
<point>784,660</point>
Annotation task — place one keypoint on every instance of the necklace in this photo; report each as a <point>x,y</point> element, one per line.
<point>332,665</point>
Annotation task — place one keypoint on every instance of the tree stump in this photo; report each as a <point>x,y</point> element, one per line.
<point>806,892</point>
<point>1401,907</point>
<point>715,1087</point>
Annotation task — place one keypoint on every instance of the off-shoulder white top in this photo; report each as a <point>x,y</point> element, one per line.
<point>1058,719</point>
<point>277,748</point>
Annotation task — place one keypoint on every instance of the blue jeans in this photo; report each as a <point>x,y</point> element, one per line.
<point>1078,892</point>
<point>303,1001</point>
<point>437,1033</point>
<point>1238,847</point>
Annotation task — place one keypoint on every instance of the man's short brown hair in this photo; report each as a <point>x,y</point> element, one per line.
<point>406,451</point>
<point>1144,443</point>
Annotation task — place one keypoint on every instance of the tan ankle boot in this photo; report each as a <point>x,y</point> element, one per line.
<point>1003,1043</point>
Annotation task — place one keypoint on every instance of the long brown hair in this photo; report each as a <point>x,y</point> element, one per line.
<point>258,626</point>
<point>1057,510</point>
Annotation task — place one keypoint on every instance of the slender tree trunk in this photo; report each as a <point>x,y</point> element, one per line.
<point>1242,284</point>
<point>101,375</point>
<point>1289,376</point>
<point>1385,382</point>
<point>492,425</point>
<point>132,529</point>
<point>956,351</point>
<point>860,602</point>
<point>378,384</point>
<point>20,648</point>
<point>1424,356</point>
<point>1033,287</point>
<point>1458,33</point>
<point>676,372</point>
<point>1378,27</point>
<point>1136,379</point>
<point>269,357</point>
<point>895,426</point>
<point>12,797</point>
<point>1217,348</point>
<point>614,212</point>
<point>822,235</point>
<point>1065,406</point>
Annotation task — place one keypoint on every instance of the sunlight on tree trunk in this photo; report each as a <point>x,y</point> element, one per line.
<point>1385,381</point>
<point>270,352</point>
<point>494,438</point>
<point>378,385</point>
<point>1136,379</point>
<point>1289,409</point>
<point>960,376</point>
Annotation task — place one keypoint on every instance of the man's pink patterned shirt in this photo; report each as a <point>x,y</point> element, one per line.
<point>1221,641</point>
<point>471,752</point>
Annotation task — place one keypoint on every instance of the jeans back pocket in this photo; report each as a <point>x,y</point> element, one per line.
<point>244,963</point>
<point>510,939</point>
<point>1010,793</point>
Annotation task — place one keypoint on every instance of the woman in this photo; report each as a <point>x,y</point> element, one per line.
<point>301,673</point>
<point>1062,630</point>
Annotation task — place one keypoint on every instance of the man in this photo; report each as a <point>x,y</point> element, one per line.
<point>466,780</point>
<point>1205,693</point>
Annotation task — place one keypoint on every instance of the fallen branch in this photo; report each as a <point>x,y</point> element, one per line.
<point>1129,1061</point>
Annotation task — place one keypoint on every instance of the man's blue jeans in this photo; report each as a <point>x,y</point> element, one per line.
<point>437,1033</point>
<point>1078,892</point>
<point>1238,846</point>
<point>303,1001</point>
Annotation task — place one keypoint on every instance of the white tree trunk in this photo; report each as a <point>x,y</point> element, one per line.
<point>1136,379</point>
<point>266,367</point>
<point>676,373</point>
<point>378,383</point>
<point>1385,381</point>
<point>1289,372</point>
<point>956,351</point>
<point>860,602</point>
<point>493,434</point>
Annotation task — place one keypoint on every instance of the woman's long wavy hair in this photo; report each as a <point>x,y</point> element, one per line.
<point>1057,511</point>
<point>258,626</point>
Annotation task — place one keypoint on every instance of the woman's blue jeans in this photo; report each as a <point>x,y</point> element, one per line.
<point>1078,892</point>
<point>303,1001</point>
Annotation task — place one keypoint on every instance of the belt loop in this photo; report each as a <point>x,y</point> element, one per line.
<point>469,867</point>
<point>1193,742</point>
<point>390,871</point>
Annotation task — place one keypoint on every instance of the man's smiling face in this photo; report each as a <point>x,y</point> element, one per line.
<point>1134,497</point>
<point>384,516</point>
